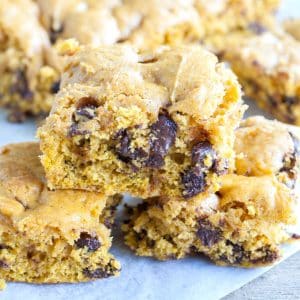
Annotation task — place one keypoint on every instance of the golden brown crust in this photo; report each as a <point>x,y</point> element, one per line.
<point>115,102</point>
<point>35,223</point>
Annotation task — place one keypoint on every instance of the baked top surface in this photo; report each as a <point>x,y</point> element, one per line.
<point>26,201</point>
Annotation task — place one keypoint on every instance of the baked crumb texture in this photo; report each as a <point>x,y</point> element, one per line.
<point>154,124</point>
<point>50,236</point>
<point>267,64</point>
<point>242,224</point>
<point>30,30</point>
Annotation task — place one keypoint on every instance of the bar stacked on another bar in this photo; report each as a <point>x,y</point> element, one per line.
<point>50,236</point>
<point>242,224</point>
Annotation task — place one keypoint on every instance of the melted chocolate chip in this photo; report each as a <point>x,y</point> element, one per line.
<point>207,233</point>
<point>238,252</point>
<point>74,131</point>
<point>194,178</point>
<point>201,152</point>
<point>163,135</point>
<point>267,256</point>
<point>123,147</point>
<point>55,87</point>
<point>88,111</point>
<point>289,101</point>
<point>3,265</point>
<point>55,33</point>
<point>20,86</point>
<point>86,240</point>
<point>2,246</point>
<point>96,274</point>
<point>194,182</point>
<point>290,161</point>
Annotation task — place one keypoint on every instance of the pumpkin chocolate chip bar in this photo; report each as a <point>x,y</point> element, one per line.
<point>50,236</point>
<point>30,30</point>
<point>268,67</point>
<point>242,224</point>
<point>158,123</point>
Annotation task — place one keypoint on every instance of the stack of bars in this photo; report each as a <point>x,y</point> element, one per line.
<point>150,117</point>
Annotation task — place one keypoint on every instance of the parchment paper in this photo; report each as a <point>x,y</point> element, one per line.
<point>143,278</point>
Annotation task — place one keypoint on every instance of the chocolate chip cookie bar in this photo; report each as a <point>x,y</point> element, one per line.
<point>268,67</point>
<point>29,30</point>
<point>50,236</point>
<point>242,224</point>
<point>151,124</point>
<point>292,26</point>
<point>27,81</point>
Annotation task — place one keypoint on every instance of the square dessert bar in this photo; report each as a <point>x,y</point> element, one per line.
<point>158,123</point>
<point>30,66</point>
<point>27,83</point>
<point>244,223</point>
<point>30,69</point>
<point>268,67</point>
<point>50,236</point>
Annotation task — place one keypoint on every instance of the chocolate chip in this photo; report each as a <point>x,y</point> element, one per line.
<point>267,256</point>
<point>20,86</point>
<point>74,131</point>
<point>220,167</point>
<point>141,235</point>
<point>55,33</point>
<point>2,246</point>
<point>257,28</point>
<point>270,256</point>
<point>87,111</point>
<point>201,152</point>
<point>86,240</point>
<point>194,182</point>
<point>290,161</point>
<point>96,274</point>
<point>163,135</point>
<point>238,252</point>
<point>289,101</point>
<point>123,147</point>
<point>3,265</point>
<point>207,233</point>
<point>55,87</point>
<point>295,236</point>
<point>194,179</point>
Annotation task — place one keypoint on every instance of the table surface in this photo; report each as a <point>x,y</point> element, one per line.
<point>280,283</point>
